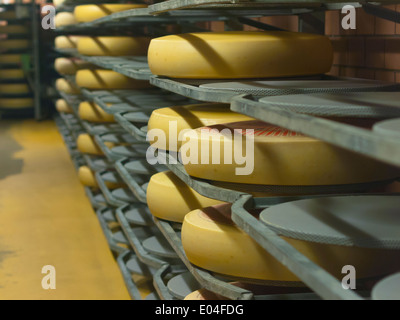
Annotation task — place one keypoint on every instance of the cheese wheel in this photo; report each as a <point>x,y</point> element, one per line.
<point>63,106</point>
<point>66,86</point>
<point>64,19</point>
<point>58,3</point>
<point>213,242</point>
<point>14,44</point>
<point>113,46</point>
<point>90,12</point>
<point>87,178</point>
<point>8,15</point>
<point>16,103</point>
<point>10,58</point>
<point>240,54</point>
<point>69,66</point>
<point>173,121</point>
<point>14,88</point>
<point>66,42</point>
<point>274,156</point>
<point>12,74</point>
<point>107,79</point>
<point>86,144</point>
<point>93,113</point>
<point>166,187</point>
<point>14,29</point>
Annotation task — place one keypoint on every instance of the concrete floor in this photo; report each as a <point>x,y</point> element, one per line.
<point>46,219</point>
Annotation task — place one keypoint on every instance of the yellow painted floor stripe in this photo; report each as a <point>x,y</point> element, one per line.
<point>46,219</point>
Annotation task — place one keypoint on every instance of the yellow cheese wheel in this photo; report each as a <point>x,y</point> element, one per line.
<point>14,88</point>
<point>173,121</point>
<point>113,46</point>
<point>69,66</point>
<point>14,29</point>
<point>88,179</point>
<point>16,103</point>
<point>63,19</point>
<point>90,12</point>
<point>166,187</point>
<point>14,44</point>
<point>107,79</point>
<point>58,3</point>
<point>213,242</point>
<point>12,74</point>
<point>63,106</point>
<point>66,42</point>
<point>66,86</point>
<point>10,58</point>
<point>93,113</point>
<point>240,54</point>
<point>86,144</point>
<point>274,156</point>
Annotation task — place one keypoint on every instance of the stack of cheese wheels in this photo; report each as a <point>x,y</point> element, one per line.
<point>107,79</point>
<point>66,42</point>
<point>275,156</point>
<point>91,112</point>
<point>90,12</point>
<point>240,54</point>
<point>63,19</point>
<point>63,106</point>
<point>113,46</point>
<point>66,86</point>
<point>363,235</point>
<point>70,66</point>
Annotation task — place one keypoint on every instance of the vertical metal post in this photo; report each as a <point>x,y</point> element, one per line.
<point>36,62</point>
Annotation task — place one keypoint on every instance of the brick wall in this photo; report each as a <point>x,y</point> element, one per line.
<point>371,51</point>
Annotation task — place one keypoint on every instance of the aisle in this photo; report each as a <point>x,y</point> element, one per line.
<point>46,219</point>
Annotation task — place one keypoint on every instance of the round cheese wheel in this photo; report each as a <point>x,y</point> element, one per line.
<point>66,86</point>
<point>12,74</point>
<point>240,54</point>
<point>66,42</point>
<point>174,121</point>
<point>113,46</point>
<point>14,29</point>
<point>90,12</point>
<point>64,19</point>
<point>63,106</point>
<point>14,88</point>
<point>10,58</point>
<point>93,113</point>
<point>107,79</point>
<point>256,152</point>
<point>87,178</point>
<point>16,103</point>
<point>14,44</point>
<point>58,3</point>
<point>86,144</point>
<point>166,187</point>
<point>69,66</point>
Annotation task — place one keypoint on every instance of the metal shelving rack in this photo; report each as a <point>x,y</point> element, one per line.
<point>322,284</point>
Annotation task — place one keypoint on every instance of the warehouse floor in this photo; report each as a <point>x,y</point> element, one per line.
<point>46,219</point>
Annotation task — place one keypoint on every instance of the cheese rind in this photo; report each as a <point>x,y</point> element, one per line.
<point>107,79</point>
<point>63,106</point>
<point>10,58</point>
<point>113,46</point>
<point>90,12</point>
<point>66,42</point>
<point>93,113</point>
<point>69,66</point>
<point>86,144</point>
<point>15,44</point>
<point>12,74</point>
<point>166,187</point>
<point>64,19</point>
<point>278,157</point>
<point>240,54</point>
<point>172,121</point>
<point>14,88</point>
